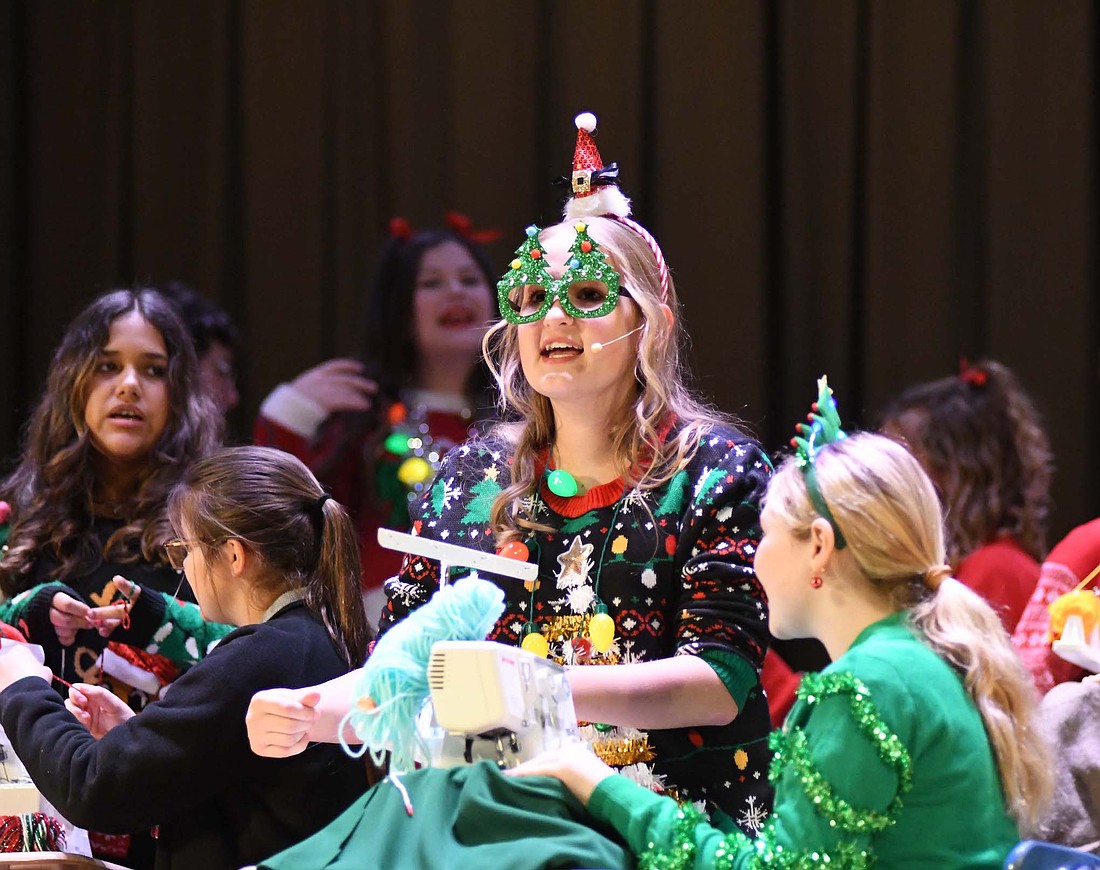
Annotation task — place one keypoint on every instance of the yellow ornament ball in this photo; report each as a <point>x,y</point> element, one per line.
<point>601,631</point>
<point>580,226</point>
<point>414,470</point>
<point>516,264</point>
<point>536,643</point>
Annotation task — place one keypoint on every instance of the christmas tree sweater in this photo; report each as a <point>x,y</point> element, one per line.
<point>673,566</point>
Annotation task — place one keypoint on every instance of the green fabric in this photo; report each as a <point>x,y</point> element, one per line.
<point>463,817</point>
<point>954,816</point>
<point>736,674</point>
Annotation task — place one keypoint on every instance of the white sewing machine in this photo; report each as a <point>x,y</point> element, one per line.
<point>488,700</point>
<point>496,702</point>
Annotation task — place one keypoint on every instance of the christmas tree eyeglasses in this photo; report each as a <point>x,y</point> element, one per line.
<point>590,287</point>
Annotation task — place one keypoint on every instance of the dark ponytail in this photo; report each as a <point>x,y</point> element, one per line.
<point>333,586</point>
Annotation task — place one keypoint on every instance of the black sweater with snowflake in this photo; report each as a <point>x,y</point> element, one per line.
<point>673,566</point>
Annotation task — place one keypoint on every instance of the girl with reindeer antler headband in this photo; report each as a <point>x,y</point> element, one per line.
<point>374,429</point>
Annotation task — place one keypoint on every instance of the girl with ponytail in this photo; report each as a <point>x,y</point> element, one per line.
<point>916,747</point>
<point>264,548</point>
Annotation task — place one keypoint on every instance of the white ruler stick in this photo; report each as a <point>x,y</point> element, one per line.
<point>452,555</point>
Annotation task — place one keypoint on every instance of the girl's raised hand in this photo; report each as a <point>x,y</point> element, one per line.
<point>96,708</point>
<point>107,618</point>
<point>279,721</point>
<point>338,385</point>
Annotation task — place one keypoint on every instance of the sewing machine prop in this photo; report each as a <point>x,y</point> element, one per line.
<point>488,700</point>
<point>496,702</point>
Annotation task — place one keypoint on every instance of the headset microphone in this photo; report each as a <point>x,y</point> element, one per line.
<point>597,346</point>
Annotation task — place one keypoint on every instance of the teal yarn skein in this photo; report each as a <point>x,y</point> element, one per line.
<point>395,676</point>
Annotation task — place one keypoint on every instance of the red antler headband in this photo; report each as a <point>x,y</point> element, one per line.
<point>596,193</point>
<point>969,374</point>
<point>456,221</point>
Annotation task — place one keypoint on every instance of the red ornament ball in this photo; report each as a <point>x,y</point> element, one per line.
<point>514,550</point>
<point>582,649</point>
<point>586,246</point>
<point>536,254</point>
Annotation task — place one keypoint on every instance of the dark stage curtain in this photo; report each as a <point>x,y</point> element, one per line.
<point>868,189</point>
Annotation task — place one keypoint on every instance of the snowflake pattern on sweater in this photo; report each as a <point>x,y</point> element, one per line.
<point>673,565</point>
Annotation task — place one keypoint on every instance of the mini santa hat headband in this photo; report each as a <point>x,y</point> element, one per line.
<point>596,192</point>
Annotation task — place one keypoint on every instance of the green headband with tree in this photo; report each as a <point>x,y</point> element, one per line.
<point>821,430</point>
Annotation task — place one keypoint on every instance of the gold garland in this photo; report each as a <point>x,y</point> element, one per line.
<point>624,751</point>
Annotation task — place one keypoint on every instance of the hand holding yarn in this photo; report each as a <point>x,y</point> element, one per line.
<point>107,618</point>
<point>69,615</point>
<point>96,708</point>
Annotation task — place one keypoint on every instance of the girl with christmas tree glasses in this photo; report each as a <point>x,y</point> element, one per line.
<point>915,747</point>
<point>667,491</point>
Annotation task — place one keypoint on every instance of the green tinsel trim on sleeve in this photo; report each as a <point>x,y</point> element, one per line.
<point>792,748</point>
<point>846,856</point>
<point>681,854</point>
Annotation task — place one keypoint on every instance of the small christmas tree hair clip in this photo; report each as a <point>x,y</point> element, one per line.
<point>822,429</point>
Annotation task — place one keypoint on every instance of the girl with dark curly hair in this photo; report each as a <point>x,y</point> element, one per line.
<point>980,438</point>
<point>118,425</point>
<point>120,422</point>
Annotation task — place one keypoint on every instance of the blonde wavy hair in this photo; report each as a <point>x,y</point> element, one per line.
<point>890,514</point>
<point>661,395</point>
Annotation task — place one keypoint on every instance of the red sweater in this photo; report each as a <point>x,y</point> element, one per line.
<point>1004,574</point>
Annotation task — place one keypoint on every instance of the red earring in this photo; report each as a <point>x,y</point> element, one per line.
<point>815,582</point>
